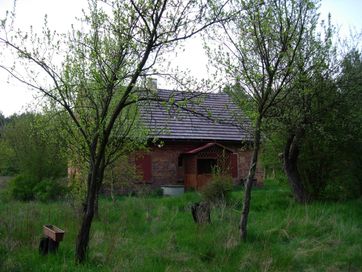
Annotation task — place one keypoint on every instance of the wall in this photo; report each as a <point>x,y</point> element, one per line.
<point>165,162</point>
<point>165,165</point>
<point>244,159</point>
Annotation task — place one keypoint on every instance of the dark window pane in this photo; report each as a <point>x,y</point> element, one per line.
<point>205,166</point>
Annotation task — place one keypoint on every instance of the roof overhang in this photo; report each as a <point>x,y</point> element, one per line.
<point>205,146</point>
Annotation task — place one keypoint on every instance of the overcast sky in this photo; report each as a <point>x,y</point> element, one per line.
<point>14,97</point>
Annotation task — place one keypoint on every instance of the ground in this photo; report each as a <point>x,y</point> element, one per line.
<point>158,234</point>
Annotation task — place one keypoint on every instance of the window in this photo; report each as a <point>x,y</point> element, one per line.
<point>205,166</point>
<point>144,167</point>
<point>180,161</point>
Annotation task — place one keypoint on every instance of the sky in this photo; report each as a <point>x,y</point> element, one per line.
<point>15,98</point>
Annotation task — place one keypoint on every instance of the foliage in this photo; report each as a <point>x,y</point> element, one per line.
<point>328,114</point>
<point>315,126</point>
<point>3,121</point>
<point>22,187</point>
<point>342,186</point>
<point>7,157</point>
<point>271,155</point>
<point>218,190</point>
<point>77,188</point>
<point>146,190</point>
<point>260,51</point>
<point>25,188</point>
<point>121,176</point>
<point>8,163</point>
<point>340,134</point>
<point>49,189</point>
<point>33,147</point>
<point>158,234</point>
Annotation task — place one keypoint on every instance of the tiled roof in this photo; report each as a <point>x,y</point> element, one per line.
<point>205,116</point>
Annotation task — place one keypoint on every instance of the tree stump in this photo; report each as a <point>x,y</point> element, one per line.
<point>201,213</point>
<point>47,245</point>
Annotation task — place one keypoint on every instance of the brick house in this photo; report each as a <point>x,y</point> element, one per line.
<point>203,130</point>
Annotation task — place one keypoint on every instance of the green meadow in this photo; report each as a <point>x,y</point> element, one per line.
<point>158,234</point>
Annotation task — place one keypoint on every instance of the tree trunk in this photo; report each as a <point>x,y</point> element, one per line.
<point>201,213</point>
<point>99,186</point>
<point>249,181</point>
<point>96,205</point>
<point>291,153</point>
<point>112,184</point>
<point>94,178</point>
<point>94,182</point>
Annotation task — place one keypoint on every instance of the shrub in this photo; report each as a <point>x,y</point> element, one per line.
<point>25,188</point>
<point>31,144</point>
<point>342,187</point>
<point>48,189</point>
<point>157,192</point>
<point>143,190</point>
<point>77,189</point>
<point>218,190</point>
<point>21,187</point>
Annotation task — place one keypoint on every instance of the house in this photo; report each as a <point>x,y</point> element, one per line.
<point>190,136</point>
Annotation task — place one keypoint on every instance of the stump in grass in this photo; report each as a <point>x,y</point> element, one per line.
<point>201,213</point>
<point>47,245</point>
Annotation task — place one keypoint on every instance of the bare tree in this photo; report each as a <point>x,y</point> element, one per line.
<point>97,81</point>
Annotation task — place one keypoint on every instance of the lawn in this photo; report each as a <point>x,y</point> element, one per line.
<point>158,234</point>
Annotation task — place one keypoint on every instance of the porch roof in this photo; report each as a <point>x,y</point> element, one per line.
<point>198,149</point>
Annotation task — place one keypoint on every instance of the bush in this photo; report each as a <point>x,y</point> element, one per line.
<point>21,187</point>
<point>145,190</point>
<point>48,189</point>
<point>25,188</point>
<point>342,187</point>
<point>218,190</point>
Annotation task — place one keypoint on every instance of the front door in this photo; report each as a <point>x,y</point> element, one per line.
<point>204,171</point>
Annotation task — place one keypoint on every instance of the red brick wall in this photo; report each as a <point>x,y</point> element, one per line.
<point>245,157</point>
<point>165,168</point>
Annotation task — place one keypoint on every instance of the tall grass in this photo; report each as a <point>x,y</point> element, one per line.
<point>158,234</point>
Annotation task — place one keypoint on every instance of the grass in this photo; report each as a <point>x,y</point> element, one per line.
<point>158,234</point>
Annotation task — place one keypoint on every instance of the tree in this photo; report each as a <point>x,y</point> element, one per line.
<point>3,122</point>
<point>7,156</point>
<point>36,150</point>
<point>260,53</point>
<point>97,83</point>
<point>322,131</point>
<point>2,119</point>
<point>310,95</point>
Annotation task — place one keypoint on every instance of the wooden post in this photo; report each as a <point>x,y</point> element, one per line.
<point>48,245</point>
